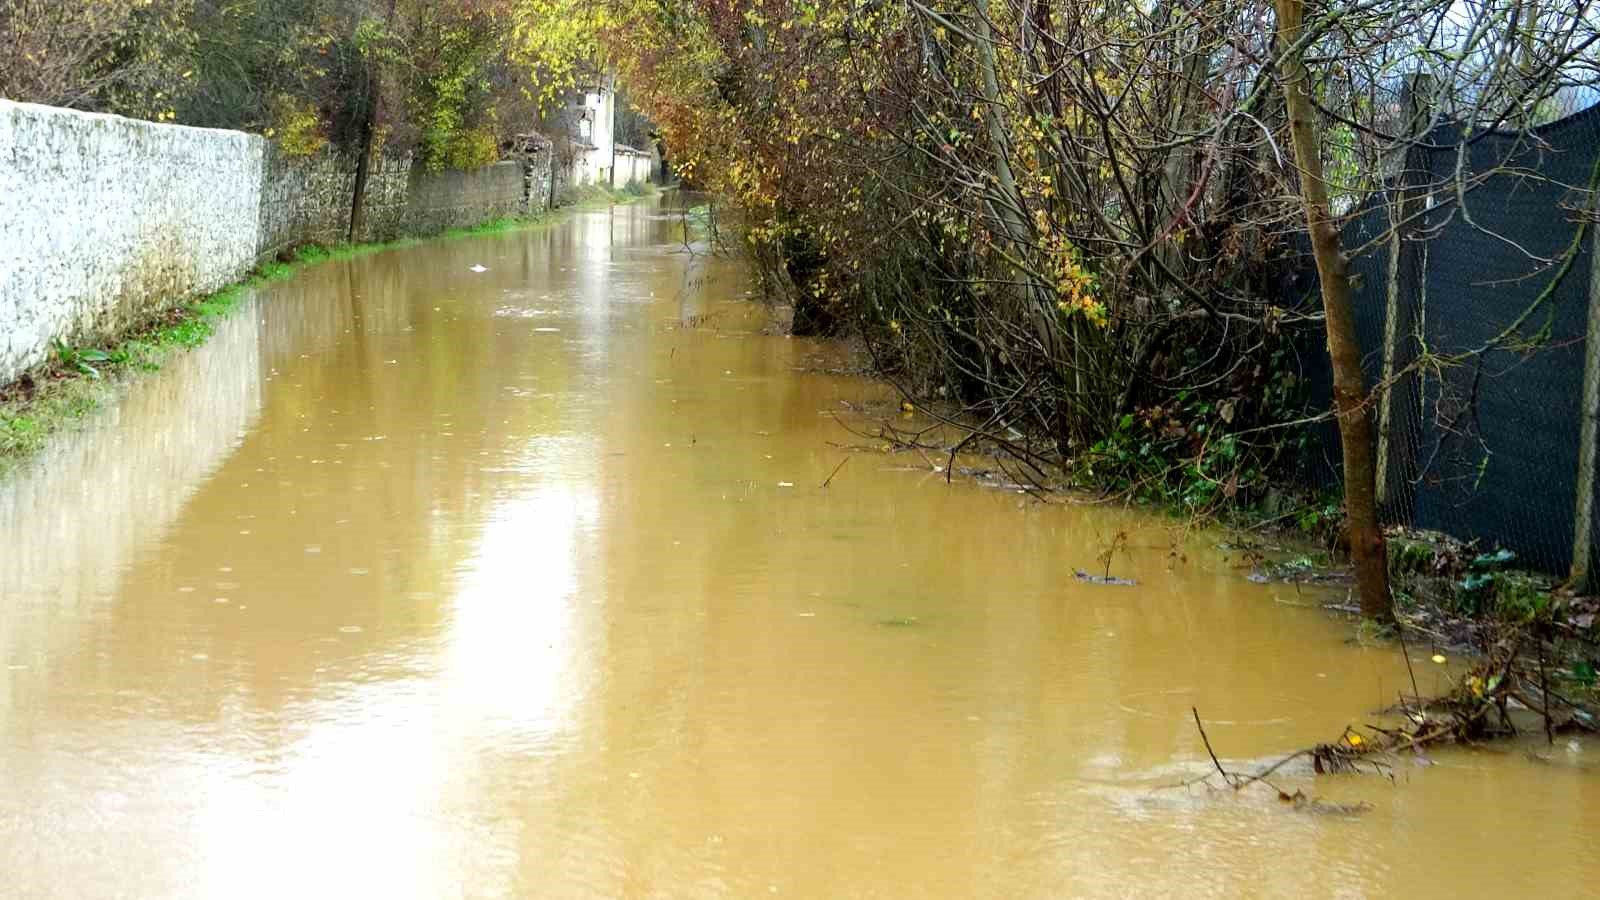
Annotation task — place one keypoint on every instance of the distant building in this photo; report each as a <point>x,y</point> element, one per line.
<point>586,148</point>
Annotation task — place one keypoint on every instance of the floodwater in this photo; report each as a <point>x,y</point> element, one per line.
<point>424,582</point>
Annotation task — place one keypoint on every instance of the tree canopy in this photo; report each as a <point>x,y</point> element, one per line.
<point>454,80</point>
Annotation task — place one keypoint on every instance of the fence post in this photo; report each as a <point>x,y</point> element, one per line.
<point>1397,452</point>
<point>1582,571</point>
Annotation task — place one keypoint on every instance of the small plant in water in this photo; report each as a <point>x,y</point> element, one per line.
<point>1109,550</point>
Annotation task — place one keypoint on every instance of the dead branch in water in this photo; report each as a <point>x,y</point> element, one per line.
<point>1478,707</point>
<point>1238,782</point>
<point>829,479</point>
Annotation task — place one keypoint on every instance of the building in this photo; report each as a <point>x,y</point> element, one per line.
<point>586,149</point>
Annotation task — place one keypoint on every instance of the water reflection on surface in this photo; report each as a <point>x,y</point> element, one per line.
<point>417,582</point>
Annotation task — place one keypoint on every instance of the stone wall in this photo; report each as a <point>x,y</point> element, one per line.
<point>437,201</point>
<point>105,221</point>
<point>306,199</point>
<point>303,200</point>
<point>561,175</point>
<point>538,179</point>
<point>387,204</point>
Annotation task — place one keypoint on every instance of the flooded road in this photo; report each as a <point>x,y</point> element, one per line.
<point>423,582</point>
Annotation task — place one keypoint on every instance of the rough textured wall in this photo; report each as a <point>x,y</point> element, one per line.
<point>104,220</point>
<point>437,201</point>
<point>538,177</point>
<point>561,176</point>
<point>304,199</point>
<point>387,200</point>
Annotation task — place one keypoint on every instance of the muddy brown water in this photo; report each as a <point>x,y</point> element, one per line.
<point>424,582</point>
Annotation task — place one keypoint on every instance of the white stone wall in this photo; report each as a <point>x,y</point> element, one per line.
<point>104,220</point>
<point>585,166</point>
<point>590,167</point>
<point>633,166</point>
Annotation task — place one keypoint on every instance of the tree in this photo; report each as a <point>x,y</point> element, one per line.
<point>121,56</point>
<point>1367,547</point>
<point>371,35</point>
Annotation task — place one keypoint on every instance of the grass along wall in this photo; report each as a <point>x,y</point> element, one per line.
<point>106,220</point>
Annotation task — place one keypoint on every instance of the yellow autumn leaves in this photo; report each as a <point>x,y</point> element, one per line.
<point>1074,284</point>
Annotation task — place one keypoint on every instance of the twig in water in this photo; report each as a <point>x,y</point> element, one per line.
<point>1400,629</point>
<point>1544,692</point>
<point>1226,775</point>
<point>834,472</point>
<point>1240,782</point>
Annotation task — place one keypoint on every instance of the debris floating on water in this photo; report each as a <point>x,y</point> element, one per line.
<point>1081,575</point>
<point>479,269</point>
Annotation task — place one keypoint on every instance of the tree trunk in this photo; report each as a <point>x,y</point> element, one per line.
<point>1007,209</point>
<point>1367,548</point>
<point>358,206</point>
<point>1007,205</point>
<point>1581,577</point>
<point>369,130</point>
<point>1192,41</point>
<point>1397,451</point>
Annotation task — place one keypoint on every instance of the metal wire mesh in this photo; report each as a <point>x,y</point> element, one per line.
<point>1477,286</point>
